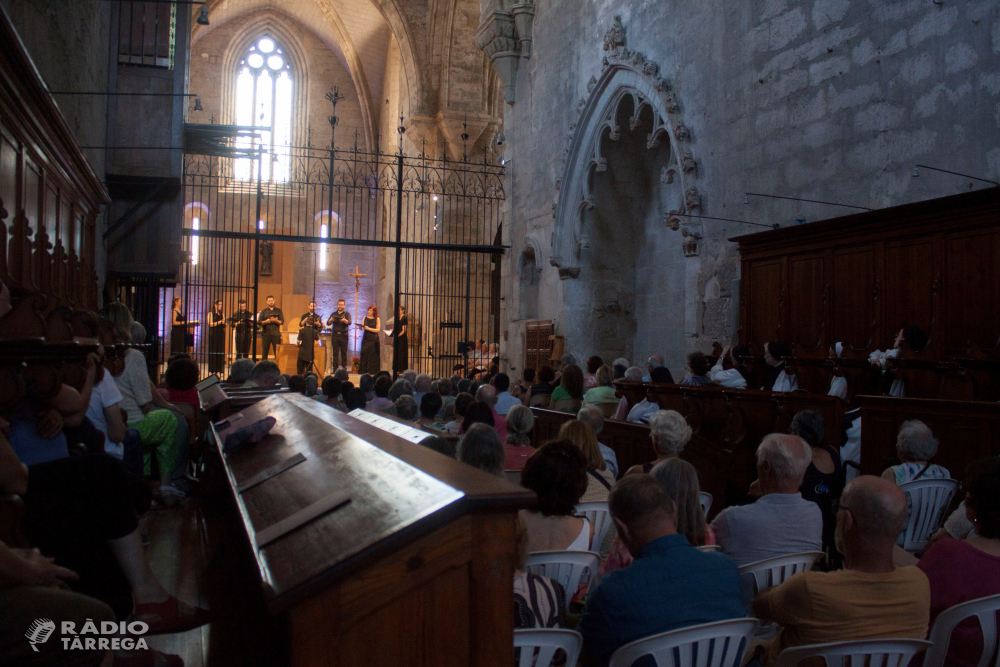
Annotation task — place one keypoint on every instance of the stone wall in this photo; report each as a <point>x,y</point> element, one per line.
<point>832,100</point>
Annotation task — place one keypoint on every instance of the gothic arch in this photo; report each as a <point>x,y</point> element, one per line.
<point>626,74</point>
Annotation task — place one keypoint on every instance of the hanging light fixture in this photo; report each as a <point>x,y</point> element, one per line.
<point>203,18</point>
<point>197,104</point>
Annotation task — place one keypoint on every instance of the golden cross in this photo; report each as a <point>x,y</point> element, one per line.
<point>357,275</point>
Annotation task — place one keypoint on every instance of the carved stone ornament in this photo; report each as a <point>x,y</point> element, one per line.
<point>505,38</point>
<point>625,74</point>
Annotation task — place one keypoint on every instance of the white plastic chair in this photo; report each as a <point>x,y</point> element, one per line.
<point>773,571</point>
<point>863,653</point>
<point>569,568</point>
<point>709,547</point>
<point>600,517</point>
<point>706,502</point>
<point>985,609</point>
<point>720,644</point>
<point>928,500</point>
<point>547,642</point>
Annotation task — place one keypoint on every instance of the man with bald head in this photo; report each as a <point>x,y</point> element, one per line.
<point>488,395</point>
<point>871,598</point>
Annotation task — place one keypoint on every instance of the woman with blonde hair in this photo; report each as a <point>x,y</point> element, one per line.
<point>604,389</point>
<point>520,421</point>
<point>669,432</point>
<point>599,478</point>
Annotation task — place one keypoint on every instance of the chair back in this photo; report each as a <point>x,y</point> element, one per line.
<point>705,499</point>
<point>985,609</point>
<point>540,401</point>
<point>774,571</point>
<point>607,409</point>
<point>568,405</point>
<point>928,500</point>
<point>569,568</point>
<point>863,653</point>
<point>539,647</point>
<point>709,547</point>
<point>720,644</point>
<point>600,517</point>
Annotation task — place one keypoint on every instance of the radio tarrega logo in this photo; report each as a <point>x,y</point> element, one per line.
<point>40,631</point>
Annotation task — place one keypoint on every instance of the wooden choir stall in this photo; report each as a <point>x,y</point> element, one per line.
<point>371,549</point>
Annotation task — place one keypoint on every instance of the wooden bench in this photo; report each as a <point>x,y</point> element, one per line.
<point>373,550</point>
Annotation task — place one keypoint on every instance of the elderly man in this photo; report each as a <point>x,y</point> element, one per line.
<point>264,375</point>
<point>421,385</point>
<point>654,362</point>
<point>871,598</point>
<point>593,418</point>
<point>410,376</point>
<point>501,382</point>
<point>781,522</point>
<point>644,409</point>
<point>240,370</point>
<point>670,585</point>
<point>488,395</point>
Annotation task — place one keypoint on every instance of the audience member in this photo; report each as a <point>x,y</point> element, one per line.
<point>644,409</point>
<point>482,448</point>
<point>871,599</point>
<point>332,393</point>
<point>570,387</point>
<point>557,473</point>
<point>838,383</point>
<point>619,366</point>
<point>106,414</point>
<point>477,412</point>
<point>410,376</point>
<point>599,478</point>
<point>488,394</point>
<point>543,387</point>
<point>283,379</point>
<point>915,447</point>
<point>297,384</point>
<point>181,377</point>
<point>264,375</point>
<point>963,570</point>
<point>440,445</point>
<point>669,432</point>
<point>430,405</point>
<point>539,602</point>
<point>354,399</point>
<point>406,408</point>
<point>824,479</point>
<point>697,370</point>
<point>501,382</point>
<point>367,385</point>
<point>781,521</point>
<point>633,374</point>
<point>603,391</point>
<point>421,385</point>
<point>240,371</point>
<point>462,403</point>
<point>464,386</point>
<point>589,379</point>
<point>444,391</point>
<point>656,361</point>
<point>735,377</point>
<point>591,416</point>
<point>520,421</point>
<point>312,385</point>
<point>777,378</point>
<point>522,386</point>
<point>381,400</point>
<point>910,338</point>
<point>670,585</point>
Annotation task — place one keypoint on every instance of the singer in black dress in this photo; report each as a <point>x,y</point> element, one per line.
<point>399,331</point>
<point>178,328</point>
<point>216,339</point>
<point>369,342</point>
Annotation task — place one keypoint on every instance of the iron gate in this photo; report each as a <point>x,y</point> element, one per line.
<point>434,224</point>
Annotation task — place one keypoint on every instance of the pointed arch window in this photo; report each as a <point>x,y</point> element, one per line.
<point>264,99</point>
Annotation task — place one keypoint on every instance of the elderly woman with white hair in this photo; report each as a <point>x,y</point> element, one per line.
<point>669,432</point>
<point>915,447</point>
<point>633,374</point>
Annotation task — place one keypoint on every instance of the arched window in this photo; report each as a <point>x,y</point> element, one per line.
<point>264,100</point>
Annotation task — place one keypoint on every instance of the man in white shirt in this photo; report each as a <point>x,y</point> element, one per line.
<point>731,377</point>
<point>504,400</point>
<point>781,522</point>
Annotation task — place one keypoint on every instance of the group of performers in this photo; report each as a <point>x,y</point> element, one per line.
<point>270,320</point>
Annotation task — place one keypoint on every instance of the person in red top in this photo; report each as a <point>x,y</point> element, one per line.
<point>963,570</point>
<point>181,377</point>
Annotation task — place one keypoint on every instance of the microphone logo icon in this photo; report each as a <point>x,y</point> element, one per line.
<point>39,632</point>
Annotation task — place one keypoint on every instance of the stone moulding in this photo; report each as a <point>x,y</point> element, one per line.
<point>625,73</point>
<point>505,38</point>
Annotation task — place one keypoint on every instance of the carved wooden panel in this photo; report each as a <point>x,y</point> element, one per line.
<point>807,295</point>
<point>910,279</point>
<point>764,315</point>
<point>853,298</point>
<point>972,297</point>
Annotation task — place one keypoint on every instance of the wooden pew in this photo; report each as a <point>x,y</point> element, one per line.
<point>966,431</point>
<point>408,559</point>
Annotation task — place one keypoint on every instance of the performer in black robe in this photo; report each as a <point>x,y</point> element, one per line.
<point>243,320</point>
<point>401,353</point>
<point>178,328</point>
<point>370,362</point>
<point>216,339</point>
<point>309,326</point>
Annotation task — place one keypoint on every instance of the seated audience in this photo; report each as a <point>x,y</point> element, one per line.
<point>539,602</point>
<point>421,385</point>
<point>520,421</point>
<point>669,432</point>
<point>477,412</point>
<point>181,376</point>
<point>332,389</point>
<point>670,585</point>
<point>911,338</point>
<point>444,391</point>
<point>405,407</point>
<point>265,375</point>
<point>543,387</point>
<point>297,384</point>
<point>838,383</point>
<point>962,570</point>
<point>599,478</point>
<point>488,394</point>
<point>619,366</point>
<point>462,403</point>
<point>915,447</point>
<point>871,598</point>
<point>603,390</point>
<point>570,388</point>
<point>430,405</point>
<point>106,414</point>
<point>735,377</point>
<point>777,379</point>
<point>557,473</point>
<point>240,371</point>
<point>644,409</point>
<point>590,378</point>
<point>354,399</point>
<point>482,448</point>
<point>781,521</point>
<point>697,370</point>
<point>440,445</point>
<point>654,362</point>
<point>312,384</point>
<point>410,376</point>
<point>367,385</point>
<point>633,374</point>
<point>592,417</point>
<point>400,387</point>
<point>824,479</point>
<point>464,386</point>
<point>501,382</point>
<point>283,380</point>
<point>522,386</point>
<point>381,401</point>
